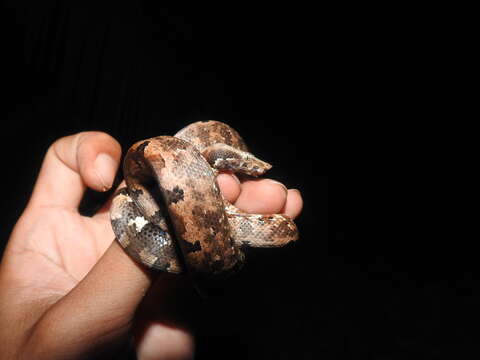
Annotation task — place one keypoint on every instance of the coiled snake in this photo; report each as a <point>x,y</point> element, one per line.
<point>171,215</point>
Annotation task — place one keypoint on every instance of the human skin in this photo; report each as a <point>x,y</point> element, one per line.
<point>68,291</point>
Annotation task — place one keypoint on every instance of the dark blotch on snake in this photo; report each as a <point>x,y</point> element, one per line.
<point>189,247</point>
<point>142,146</point>
<point>134,193</point>
<point>175,195</point>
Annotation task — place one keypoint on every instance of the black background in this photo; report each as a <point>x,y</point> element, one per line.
<point>369,112</point>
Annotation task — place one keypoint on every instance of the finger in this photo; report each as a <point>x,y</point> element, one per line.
<point>73,162</point>
<point>98,312</point>
<point>229,185</point>
<point>262,196</point>
<point>293,204</point>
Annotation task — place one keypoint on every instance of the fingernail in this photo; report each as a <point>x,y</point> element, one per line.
<point>278,183</point>
<point>105,167</point>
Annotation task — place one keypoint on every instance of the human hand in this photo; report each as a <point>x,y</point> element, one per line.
<point>68,291</point>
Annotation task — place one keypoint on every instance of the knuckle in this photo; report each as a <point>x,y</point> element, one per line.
<point>86,136</point>
<point>66,146</point>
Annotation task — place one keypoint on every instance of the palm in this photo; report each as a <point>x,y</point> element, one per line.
<point>60,246</point>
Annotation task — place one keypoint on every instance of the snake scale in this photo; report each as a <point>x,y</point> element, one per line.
<point>171,215</point>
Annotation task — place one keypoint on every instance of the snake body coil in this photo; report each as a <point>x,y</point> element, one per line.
<point>172,188</point>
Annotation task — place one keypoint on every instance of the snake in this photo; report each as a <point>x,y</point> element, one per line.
<point>171,216</point>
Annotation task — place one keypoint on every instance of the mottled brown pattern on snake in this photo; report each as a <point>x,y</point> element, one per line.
<point>256,230</point>
<point>205,133</point>
<point>209,230</point>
